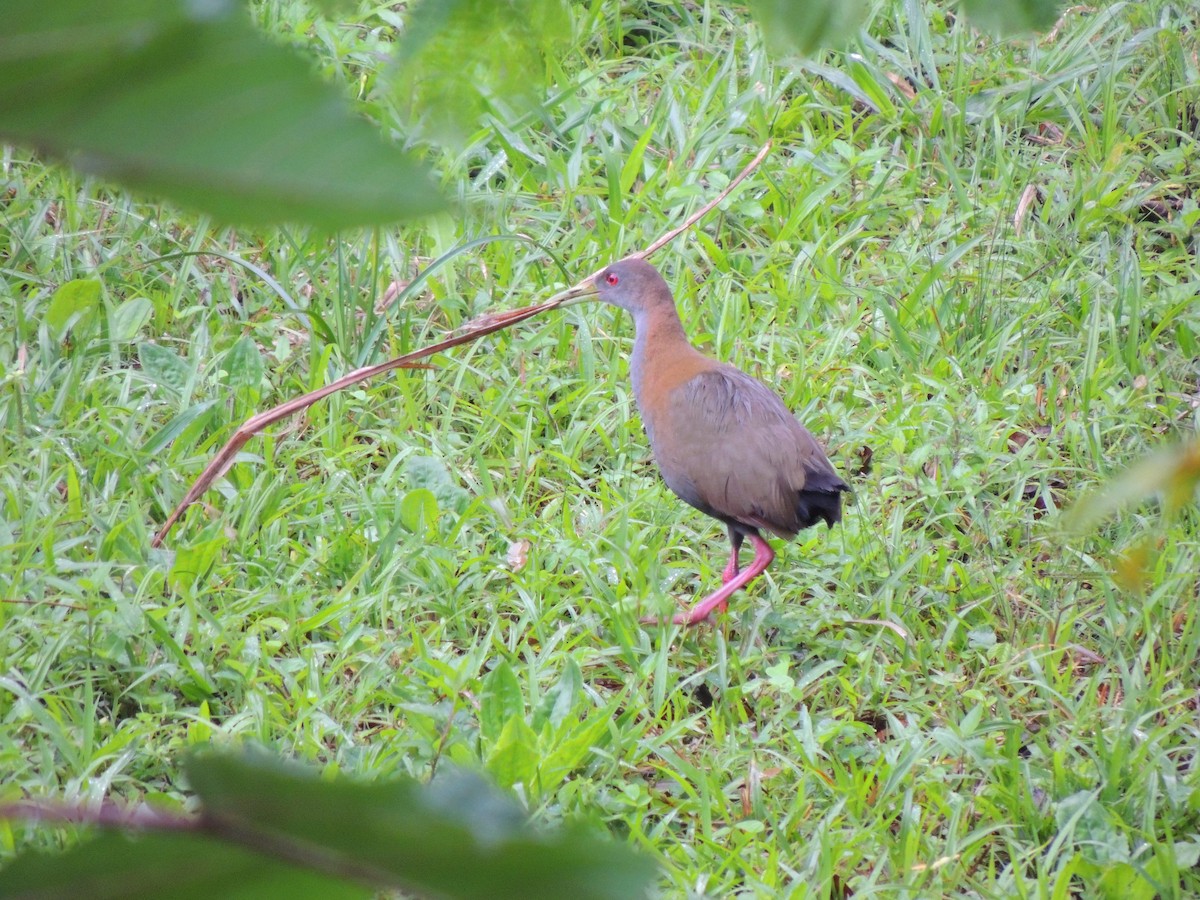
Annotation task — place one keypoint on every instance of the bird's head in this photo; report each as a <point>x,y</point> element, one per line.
<point>631,284</point>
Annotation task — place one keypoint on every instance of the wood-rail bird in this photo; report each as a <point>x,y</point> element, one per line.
<point>723,441</point>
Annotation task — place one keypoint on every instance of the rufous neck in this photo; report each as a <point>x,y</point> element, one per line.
<point>658,338</point>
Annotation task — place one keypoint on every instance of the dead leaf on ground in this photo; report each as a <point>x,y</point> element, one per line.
<point>518,555</point>
<point>865,455</point>
<point>1018,439</point>
<point>901,84</point>
<point>1047,134</point>
<point>1023,206</point>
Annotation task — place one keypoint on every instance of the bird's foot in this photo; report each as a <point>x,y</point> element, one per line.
<point>693,616</point>
<point>719,599</point>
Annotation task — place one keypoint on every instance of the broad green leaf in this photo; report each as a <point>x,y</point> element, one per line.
<point>1123,881</point>
<point>153,866</point>
<point>1012,17</point>
<point>72,302</point>
<point>500,700</point>
<point>188,101</point>
<point>558,702</point>
<point>457,837</point>
<point>1187,853</point>
<point>430,472</point>
<point>572,753</point>
<point>1092,828</point>
<point>194,561</point>
<point>128,319</point>
<point>418,511</point>
<point>243,364</point>
<point>515,757</point>
<point>164,367</point>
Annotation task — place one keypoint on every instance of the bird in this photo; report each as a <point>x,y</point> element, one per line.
<point>724,442</point>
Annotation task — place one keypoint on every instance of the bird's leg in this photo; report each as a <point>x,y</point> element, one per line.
<point>735,543</point>
<point>763,554</point>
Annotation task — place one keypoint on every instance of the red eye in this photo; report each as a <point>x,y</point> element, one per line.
<point>611,278</point>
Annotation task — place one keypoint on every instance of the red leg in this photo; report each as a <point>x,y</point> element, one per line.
<point>735,544</point>
<point>731,570</point>
<point>763,554</point>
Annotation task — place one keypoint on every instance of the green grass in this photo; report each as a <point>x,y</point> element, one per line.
<point>944,696</point>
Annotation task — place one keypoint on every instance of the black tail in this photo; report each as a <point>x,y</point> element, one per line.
<point>821,499</point>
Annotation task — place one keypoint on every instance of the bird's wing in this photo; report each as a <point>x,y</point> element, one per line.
<point>737,453</point>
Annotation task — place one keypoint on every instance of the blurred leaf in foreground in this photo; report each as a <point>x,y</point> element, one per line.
<point>1012,17</point>
<point>188,101</point>
<point>457,58</point>
<point>1173,474</point>
<point>180,865</point>
<point>808,25</point>
<point>271,830</point>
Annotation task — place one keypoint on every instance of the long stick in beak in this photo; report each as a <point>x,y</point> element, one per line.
<point>473,330</point>
<point>580,293</point>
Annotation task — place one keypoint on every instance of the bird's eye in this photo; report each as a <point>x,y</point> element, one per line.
<point>611,278</point>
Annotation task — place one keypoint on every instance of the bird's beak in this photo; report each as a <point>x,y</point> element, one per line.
<point>578,294</point>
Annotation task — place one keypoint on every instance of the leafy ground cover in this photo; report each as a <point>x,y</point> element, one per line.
<point>970,266</point>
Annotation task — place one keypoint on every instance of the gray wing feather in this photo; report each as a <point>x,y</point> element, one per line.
<point>758,457</point>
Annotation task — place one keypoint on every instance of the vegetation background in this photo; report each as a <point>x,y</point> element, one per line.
<point>968,264</point>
